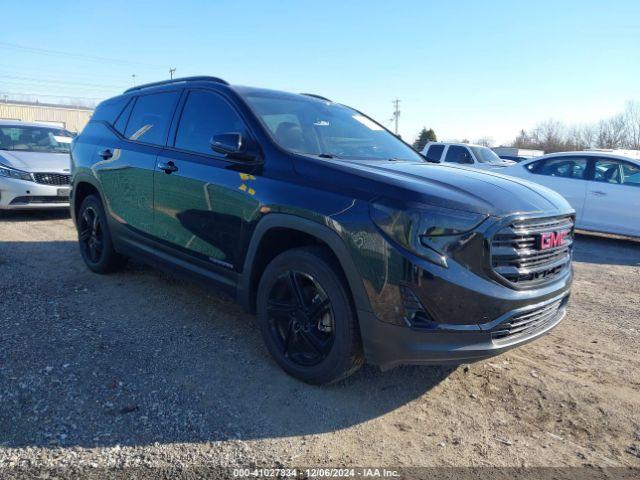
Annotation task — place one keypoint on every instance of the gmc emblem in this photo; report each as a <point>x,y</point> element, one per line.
<point>551,239</point>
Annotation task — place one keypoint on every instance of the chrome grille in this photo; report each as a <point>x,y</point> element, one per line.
<point>517,258</point>
<point>529,322</point>
<point>52,178</point>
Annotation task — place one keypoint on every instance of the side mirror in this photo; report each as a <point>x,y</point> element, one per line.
<point>227,143</point>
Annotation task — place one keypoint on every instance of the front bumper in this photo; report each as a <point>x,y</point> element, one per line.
<point>389,345</point>
<point>23,195</point>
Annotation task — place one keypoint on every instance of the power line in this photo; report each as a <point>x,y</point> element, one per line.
<point>5,92</point>
<point>80,56</point>
<point>60,82</point>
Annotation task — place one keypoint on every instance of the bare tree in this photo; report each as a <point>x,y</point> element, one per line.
<point>485,141</point>
<point>619,131</point>
<point>611,132</point>
<point>632,125</point>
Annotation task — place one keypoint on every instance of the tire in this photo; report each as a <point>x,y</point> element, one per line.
<point>313,334</point>
<point>94,238</point>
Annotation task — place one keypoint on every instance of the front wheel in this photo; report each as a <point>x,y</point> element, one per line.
<point>306,317</point>
<point>94,238</point>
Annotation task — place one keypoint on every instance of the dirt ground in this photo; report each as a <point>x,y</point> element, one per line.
<point>139,368</point>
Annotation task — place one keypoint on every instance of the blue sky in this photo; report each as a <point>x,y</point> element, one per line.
<point>465,68</point>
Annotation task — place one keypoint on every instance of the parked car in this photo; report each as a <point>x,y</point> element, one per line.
<point>34,166</point>
<point>517,154</point>
<point>513,158</point>
<point>603,189</point>
<point>346,243</point>
<point>466,154</point>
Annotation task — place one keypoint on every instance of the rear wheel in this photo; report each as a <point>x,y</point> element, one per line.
<point>306,317</point>
<point>95,239</point>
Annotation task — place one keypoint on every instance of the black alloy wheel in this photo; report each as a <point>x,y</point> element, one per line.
<point>306,316</point>
<point>91,235</point>
<point>301,319</point>
<point>94,238</point>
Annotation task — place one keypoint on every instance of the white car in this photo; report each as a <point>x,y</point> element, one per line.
<point>34,166</point>
<point>465,154</point>
<point>603,189</point>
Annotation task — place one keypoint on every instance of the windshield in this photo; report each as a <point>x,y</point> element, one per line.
<point>34,139</point>
<point>485,155</point>
<point>316,127</point>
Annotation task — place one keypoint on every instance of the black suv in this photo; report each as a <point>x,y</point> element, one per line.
<point>347,243</point>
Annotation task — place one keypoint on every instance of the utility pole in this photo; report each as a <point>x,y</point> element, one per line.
<point>396,113</point>
<point>133,77</point>
<point>171,72</point>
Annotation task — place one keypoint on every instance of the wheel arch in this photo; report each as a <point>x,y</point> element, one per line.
<point>83,186</point>
<point>254,266</point>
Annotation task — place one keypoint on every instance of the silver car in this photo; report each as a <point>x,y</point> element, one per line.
<point>34,166</point>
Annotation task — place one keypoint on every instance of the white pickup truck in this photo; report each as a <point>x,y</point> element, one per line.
<point>464,154</point>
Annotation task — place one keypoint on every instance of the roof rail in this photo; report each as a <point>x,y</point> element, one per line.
<point>316,96</point>
<point>177,80</point>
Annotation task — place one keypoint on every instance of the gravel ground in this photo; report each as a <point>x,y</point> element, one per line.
<point>141,369</point>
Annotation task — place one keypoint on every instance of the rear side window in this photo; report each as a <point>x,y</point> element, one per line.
<point>150,118</point>
<point>109,110</point>
<point>566,167</point>
<point>435,152</point>
<point>121,122</point>
<point>206,114</point>
<point>457,154</point>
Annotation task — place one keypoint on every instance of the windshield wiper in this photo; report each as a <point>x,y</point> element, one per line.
<point>327,155</point>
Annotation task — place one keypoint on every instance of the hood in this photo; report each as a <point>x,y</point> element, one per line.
<point>36,161</point>
<point>469,189</point>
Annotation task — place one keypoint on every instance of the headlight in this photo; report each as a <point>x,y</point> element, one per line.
<point>424,229</point>
<point>13,173</point>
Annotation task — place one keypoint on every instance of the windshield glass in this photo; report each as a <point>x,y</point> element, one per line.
<point>316,127</point>
<point>485,155</point>
<point>34,139</point>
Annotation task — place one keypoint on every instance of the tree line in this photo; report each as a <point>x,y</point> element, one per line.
<point>621,131</point>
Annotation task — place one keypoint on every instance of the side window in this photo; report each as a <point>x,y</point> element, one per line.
<point>205,114</point>
<point>565,167</point>
<point>614,171</point>
<point>150,117</point>
<point>435,152</point>
<point>121,122</point>
<point>457,154</point>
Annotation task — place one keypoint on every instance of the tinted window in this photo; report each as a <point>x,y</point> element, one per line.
<point>457,154</point>
<point>614,171</point>
<point>435,152</point>
<point>150,118</point>
<point>121,123</point>
<point>566,167</point>
<point>109,110</point>
<point>205,114</point>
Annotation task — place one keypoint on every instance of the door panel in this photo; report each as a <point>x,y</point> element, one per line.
<point>127,182</point>
<point>201,207</point>
<point>613,198</point>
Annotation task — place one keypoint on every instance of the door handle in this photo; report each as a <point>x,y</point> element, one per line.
<point>168,167</point>
<point>105,154</point>
<point>598,193</point>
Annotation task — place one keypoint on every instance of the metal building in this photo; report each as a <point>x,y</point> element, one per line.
<point>72,118</point>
